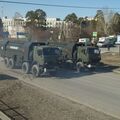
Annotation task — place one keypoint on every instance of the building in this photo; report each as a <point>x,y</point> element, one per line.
<point>63,26</point>
<point>54,22</point>
<point>13,26</point>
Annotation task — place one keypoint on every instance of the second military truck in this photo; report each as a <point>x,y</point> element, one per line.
<point>77,55</point>
<point>87,56</point>
<point>35,57</point>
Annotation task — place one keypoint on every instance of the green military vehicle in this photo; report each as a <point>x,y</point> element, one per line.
<point>32,57</point>
<point>78,55</point>
<point>85,56</point>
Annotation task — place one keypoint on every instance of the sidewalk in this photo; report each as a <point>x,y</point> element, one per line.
<point>3,116</point>
<point>1,59</point>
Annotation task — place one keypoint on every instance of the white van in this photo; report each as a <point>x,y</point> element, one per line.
<point>107,41</point>
<point>101,41</point>
<point>118,40</point>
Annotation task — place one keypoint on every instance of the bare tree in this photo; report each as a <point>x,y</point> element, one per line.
<point>103,18</point>
<point>115,24</point>
<point>108,15</point>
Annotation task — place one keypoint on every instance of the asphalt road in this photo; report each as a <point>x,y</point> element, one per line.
<point>99,90</point>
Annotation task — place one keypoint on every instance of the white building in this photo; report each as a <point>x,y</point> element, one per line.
<point>13,26</point>
<point>17,25</point>
<point>56,22</point>
<point>60,24</point>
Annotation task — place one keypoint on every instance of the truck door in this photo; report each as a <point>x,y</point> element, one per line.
<point>38,56</point>
<point>82,54</point>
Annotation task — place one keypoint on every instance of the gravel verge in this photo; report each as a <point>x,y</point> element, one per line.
<point>38,104</point>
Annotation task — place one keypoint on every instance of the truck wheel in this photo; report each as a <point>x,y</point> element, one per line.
<point>35,71</point>
<point>6,61</point>
<point>11,63</point>
<point>26,67</point>
<point>79,66</point>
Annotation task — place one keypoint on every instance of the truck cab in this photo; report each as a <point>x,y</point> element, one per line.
<point>85,56</point>
<point>45,59</point>
<point>88,55</point>
<point>35,57</point>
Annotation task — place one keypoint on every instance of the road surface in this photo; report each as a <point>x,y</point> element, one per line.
<point>99,90</point>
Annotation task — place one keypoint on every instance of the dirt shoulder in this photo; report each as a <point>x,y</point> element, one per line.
<point>110,58</point>
<point>38,104</point>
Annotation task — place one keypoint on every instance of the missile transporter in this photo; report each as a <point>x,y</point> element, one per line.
<point>34,57</point>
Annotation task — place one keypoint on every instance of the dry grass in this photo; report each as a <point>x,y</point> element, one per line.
<point>111,58</point>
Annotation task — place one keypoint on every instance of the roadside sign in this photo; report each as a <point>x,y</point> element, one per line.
<point>5,34</point>
<point>21,35</point>
<point>94,34</point>
<point>84,40</point>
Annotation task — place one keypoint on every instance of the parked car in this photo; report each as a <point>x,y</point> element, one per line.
<point>107,42</point>
<point>117,40</point>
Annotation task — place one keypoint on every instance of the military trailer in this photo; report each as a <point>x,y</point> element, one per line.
<point>32,57</point>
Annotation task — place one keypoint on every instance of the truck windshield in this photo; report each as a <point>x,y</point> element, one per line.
<point>93,51</point>
<point>51,51</point>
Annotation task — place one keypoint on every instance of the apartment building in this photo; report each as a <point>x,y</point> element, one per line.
<point>17,25</point>
<point>13,26</point>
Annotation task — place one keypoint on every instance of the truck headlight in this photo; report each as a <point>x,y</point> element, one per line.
<point>89,66</point>
<point>96,51</point>
<point>45,70</point>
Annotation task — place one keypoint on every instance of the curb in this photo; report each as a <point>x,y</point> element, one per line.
<point>117,71</point>
<point>3,116</point>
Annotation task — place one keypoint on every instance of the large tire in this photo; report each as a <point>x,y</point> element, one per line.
<point>35,71</point>
<point>79,65</point>
<point>11,63</point>
<point>26,67</point>
<point>6,61</point>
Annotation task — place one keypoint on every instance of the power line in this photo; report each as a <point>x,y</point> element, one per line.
<point>53,5</point>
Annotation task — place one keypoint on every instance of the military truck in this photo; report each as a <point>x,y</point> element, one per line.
<point>79,54</point>
<point>35,57</point>
<point>87,56</point>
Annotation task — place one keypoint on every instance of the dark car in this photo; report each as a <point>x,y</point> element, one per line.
<point>109,42</point>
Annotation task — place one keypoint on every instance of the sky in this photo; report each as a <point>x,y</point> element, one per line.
<point>9,10</point>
